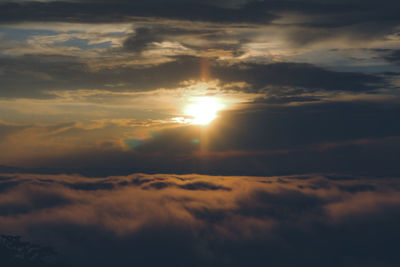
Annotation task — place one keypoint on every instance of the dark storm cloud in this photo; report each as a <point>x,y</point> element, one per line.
<point>30,76</point>
<point>252,224</point>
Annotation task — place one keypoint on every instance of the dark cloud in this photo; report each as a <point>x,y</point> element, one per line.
<point>319,20</point>
<point>286,205</point>
<point>91,186</point>
<point>32,76</point>
<point>196,186</point>
<point>286,99</point>
<point>253,223</point>
<point>142,38</point>
<point>358,188</point>
<point>341,137</point>
<point>307,76</point>
<point>322,13</point>
<point>34,201</point>
<point>203,186</point>
<point>159,185</point>
<point>145,36</point>
<point>283,127</point>
<point>29,76</point>
<point>122,11</point>
<point>394,57</point>
<point>4,186</point>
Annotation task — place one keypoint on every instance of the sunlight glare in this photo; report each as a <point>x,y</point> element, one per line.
<point>203,110</point>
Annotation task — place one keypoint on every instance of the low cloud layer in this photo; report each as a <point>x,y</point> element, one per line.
<point>195,220</point>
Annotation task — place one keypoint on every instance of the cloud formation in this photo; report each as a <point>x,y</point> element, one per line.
<point>229,221</point>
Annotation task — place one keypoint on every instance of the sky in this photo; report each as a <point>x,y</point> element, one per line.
<point>209,133</point>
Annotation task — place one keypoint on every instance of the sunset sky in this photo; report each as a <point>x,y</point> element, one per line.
<point>249,126</point>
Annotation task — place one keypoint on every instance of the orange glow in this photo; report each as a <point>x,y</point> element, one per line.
<point>205,69</point>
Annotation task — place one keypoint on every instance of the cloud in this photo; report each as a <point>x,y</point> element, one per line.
<point>393,57</point>
<point>142,38</point>
<point>121,11</point>
<point>145,36</point>
<point>303,76</point>
<point>203,186</point>
<point>128,224</point>
<point>350,137</point>
<point>7,129</point>
<point>34,76</point>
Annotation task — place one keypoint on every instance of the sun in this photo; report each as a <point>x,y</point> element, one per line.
<point>203,110</point>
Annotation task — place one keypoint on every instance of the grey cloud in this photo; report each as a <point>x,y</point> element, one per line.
<point>331,13</point>
<point>24,76</point>
<point>286,99</point>
<point>322,20</point>
<point>142,38</point>
<point>307,76</point>
<point>30,76</point>
<point>145,36</point>
<point>120,11</point>
<point>393,57</point>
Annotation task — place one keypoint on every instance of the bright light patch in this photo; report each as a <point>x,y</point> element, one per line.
<point>203,110</point>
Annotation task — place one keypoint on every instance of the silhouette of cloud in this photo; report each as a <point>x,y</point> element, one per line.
<point>393,56</point>
<point>203,186</point>
<point>56,73</point>
<point>91,186</point>
<point>123,11</point>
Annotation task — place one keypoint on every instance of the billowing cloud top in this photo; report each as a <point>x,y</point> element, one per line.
<point>173,220</point>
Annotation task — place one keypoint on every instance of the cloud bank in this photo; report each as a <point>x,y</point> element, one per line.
<point>196,220</point>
